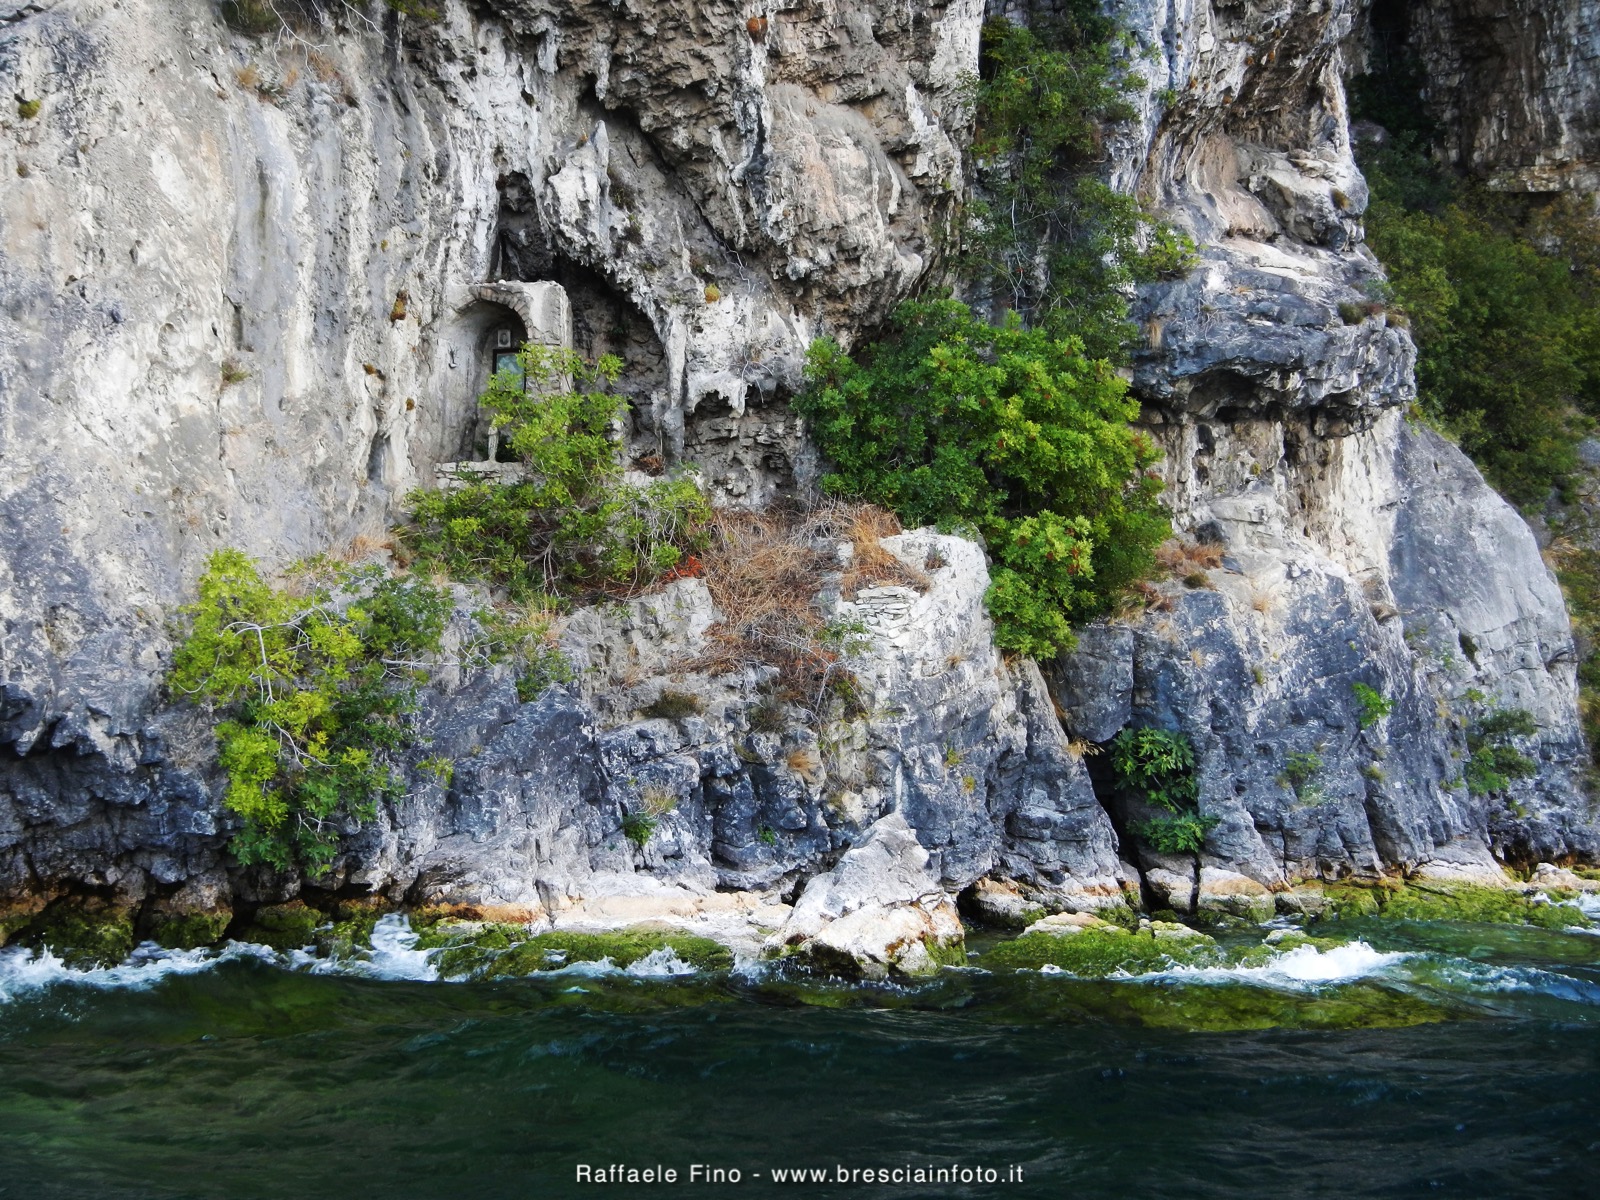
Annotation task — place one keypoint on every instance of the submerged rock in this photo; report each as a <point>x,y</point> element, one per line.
<point>493,951</point>
<point>1100,949</point>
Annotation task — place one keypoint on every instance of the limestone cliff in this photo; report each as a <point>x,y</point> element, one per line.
<point>243,288</point>
<point>1512,85</point>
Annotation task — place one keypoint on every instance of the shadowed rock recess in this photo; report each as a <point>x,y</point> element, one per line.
<point>242,304</point>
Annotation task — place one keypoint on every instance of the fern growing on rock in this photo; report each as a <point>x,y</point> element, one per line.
<point>1156,766</point>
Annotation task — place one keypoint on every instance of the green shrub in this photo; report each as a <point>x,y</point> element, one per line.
<point>313,684</point>
<point>573,523</point>
<point>1020,433</point>
<point>1300,768</point>
<point>260,17</point>
<point>28,109</point>
<point>1501,295</point>
<point>542,669</point>
<point>1044,231</point>
<point>1374,707</point>
<point>1009,431</point>
<point>1181,834</point>
<point>768,716</point>
<point>440,768</point>
<point>639,827</point>
<point>254,17</point>
<point>674,705</point>
<point>414,9</point>
<point>1495,762</point>
<point>1157,766</point>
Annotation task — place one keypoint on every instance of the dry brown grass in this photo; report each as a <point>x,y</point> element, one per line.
<point>361,548</point>
<point>804,761</point>
<point>763,575</point>
<point>658,801</point>
<point>764,571</point>
<point>248,76</point>
<point>324,67</point>
<point>1150,597</point>
<point>1183,558</point>
<point>865,526</point>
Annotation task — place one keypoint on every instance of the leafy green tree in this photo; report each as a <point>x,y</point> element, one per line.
<point>313,683</point>
<point>574,522</point>
<point>1044,230</point>
<point>1009,431</point>
<point>1507,344</point>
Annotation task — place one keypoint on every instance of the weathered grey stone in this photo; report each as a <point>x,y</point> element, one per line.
<point>348,234</point>
<point>878,912</point>
<point>1171,889</point>
<point>1094,683</point>
<point>1512,86</point>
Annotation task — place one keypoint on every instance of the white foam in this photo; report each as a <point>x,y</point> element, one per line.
<point>23,972</point>
<point>394,951</point>
<point>1308,964</point>
<point>660,964</point>
<point>1304,965</point>
<point>393,955</point>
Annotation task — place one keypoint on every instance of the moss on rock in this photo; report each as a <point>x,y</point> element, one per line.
<point>15,918</point>
<point>499,951</point>
<point>1429,900</point>
<point>284,926</point>
<point>353,922</point>
<point>190,930</point>
<point>83,931</point>
<point>1104,950</point>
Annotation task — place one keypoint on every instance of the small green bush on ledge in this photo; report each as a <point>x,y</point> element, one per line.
<point>574,524</point>
<point>313,682</point>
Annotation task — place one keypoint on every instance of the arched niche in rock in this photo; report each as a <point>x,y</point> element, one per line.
<point>482,336</point>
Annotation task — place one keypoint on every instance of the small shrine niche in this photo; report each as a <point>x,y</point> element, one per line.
<point>486,337</point>
<point>506,345</point>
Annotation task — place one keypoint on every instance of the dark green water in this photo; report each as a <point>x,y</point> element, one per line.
<point>246,1078</point>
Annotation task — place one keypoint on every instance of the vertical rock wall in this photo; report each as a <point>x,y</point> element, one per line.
<point>240,304</point>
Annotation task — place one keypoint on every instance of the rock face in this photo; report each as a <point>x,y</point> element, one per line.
<point>878,912</point>
<point>249,291</point>
<point>241,275</point>
<point>1513,84</point>
<point>1356,549</point>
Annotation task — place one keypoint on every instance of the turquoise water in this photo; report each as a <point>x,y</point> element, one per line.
<point>1438,1060</point>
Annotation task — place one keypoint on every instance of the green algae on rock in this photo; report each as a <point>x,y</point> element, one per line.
<point>83,931</point>
<point>499,951</point>
<point>288,926</point>
<point>1432,900</point>
<point>190,930</point>
<point>1100,949</point>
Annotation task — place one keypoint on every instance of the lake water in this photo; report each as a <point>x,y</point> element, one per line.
<point>1418,1060</point>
